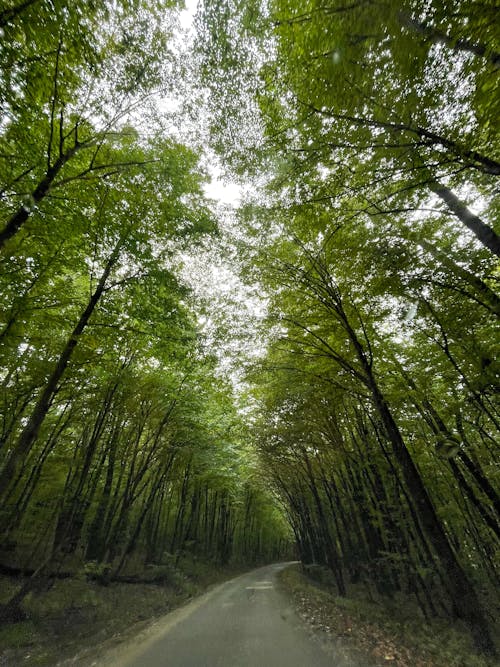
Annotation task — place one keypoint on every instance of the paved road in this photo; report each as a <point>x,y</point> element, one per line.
<point>244,622</point>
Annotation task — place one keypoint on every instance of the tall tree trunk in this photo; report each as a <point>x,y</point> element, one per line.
<point>145,509</point>
<point>30,431</point>
<point>465,602</point>
<point>483,232</point>
<point>469,492</point>
<point>333,558</point>
<point>490,298</point>
<point>438,427</point>
<point>460,44</point>
<point>463,596</point>
<point>17,220</point>
<point>96,542</point>
<point>481,481</point>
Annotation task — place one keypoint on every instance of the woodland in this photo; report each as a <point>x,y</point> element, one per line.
<point>336,398</point>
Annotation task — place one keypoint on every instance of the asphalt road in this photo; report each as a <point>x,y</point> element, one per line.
<point>245,622</point>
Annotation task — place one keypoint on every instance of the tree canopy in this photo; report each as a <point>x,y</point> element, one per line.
<point>376,242</point>
<point>340,385</point>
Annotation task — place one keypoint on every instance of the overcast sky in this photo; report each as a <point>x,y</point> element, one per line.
<point>225,192</point>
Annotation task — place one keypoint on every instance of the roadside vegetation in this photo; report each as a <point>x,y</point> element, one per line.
<point>317,365</point>
<point>362,631</point>
<point>77,619</point>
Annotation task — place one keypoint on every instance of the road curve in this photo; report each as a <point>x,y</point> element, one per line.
<point>245,622</point>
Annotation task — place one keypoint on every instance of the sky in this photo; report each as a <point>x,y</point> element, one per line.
<point>230,306</point>
<point>219,189</point>
<point>223,191</point>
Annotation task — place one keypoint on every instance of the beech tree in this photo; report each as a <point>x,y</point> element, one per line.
<point>71,77</point>
<point>360,410</point>
<point>114,454</point>
<point>384,308</point>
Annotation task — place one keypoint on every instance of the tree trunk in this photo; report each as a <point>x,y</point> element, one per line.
<point>30,431</point>
<point>439,37</point>
<point>483,232</point>
<point>481,480</point>
<point>333,559</point>
<point>17,220</point>
<point>7,15</point>
<point>490,297</point>
<point>463,596</point>
<point>465,602</point>
<point>468,491</point>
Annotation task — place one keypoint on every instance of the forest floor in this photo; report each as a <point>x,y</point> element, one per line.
<point>374,634</point>
<point>66,623</point>
<point>77,617</point>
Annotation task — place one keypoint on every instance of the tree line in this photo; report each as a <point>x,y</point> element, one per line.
<point>121,447</point>
<point>376,242</point>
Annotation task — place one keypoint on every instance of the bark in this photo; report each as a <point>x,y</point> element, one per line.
<point>75,502</point>
<point>344,531</point>
<point>439,37</point>
<point>123,501</point>
<point>463,597</point>
<point>477,396</point>
<point>469,493</point>
<point>437,425</point>
<point>96,540</point>
<point>153,527</point>
<point>30,432</point>
<point>333,559</point>
<point>148,503</point>
<point>17,220</point>
<point>472,158</point>
<point>181,509</point>
<point>483,232</point>
<point>192,523</point>
<point>481,481</point>
<point>13,520</point>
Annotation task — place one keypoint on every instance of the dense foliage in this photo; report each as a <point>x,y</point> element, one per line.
<point>376,241</point>
<point>366,133</point>
<point>121,446</point>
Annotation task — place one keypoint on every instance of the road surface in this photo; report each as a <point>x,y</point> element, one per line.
<point>245,622</point>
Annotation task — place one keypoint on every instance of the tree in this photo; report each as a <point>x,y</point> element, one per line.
<point>337,329</point>
<point>104,63</point>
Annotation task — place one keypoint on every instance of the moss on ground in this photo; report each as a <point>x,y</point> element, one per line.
<point>365,633</point>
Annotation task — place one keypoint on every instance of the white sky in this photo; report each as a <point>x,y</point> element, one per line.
<point>187,15</point>
<point>219,189</point>
<point>225,192</point>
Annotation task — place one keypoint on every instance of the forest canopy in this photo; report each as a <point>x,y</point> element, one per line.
<point>121,444</point>
<point>372,128</point>
<point>334,382</point>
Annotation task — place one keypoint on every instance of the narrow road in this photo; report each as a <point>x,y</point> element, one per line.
<point>244,622</point>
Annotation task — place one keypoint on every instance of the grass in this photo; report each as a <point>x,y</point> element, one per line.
<point>368,633</point>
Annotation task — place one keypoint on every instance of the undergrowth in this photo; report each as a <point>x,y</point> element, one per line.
<point>379,634</point>
<point>81,612</point>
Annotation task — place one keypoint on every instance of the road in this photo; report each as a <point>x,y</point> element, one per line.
<point>245,622</point>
